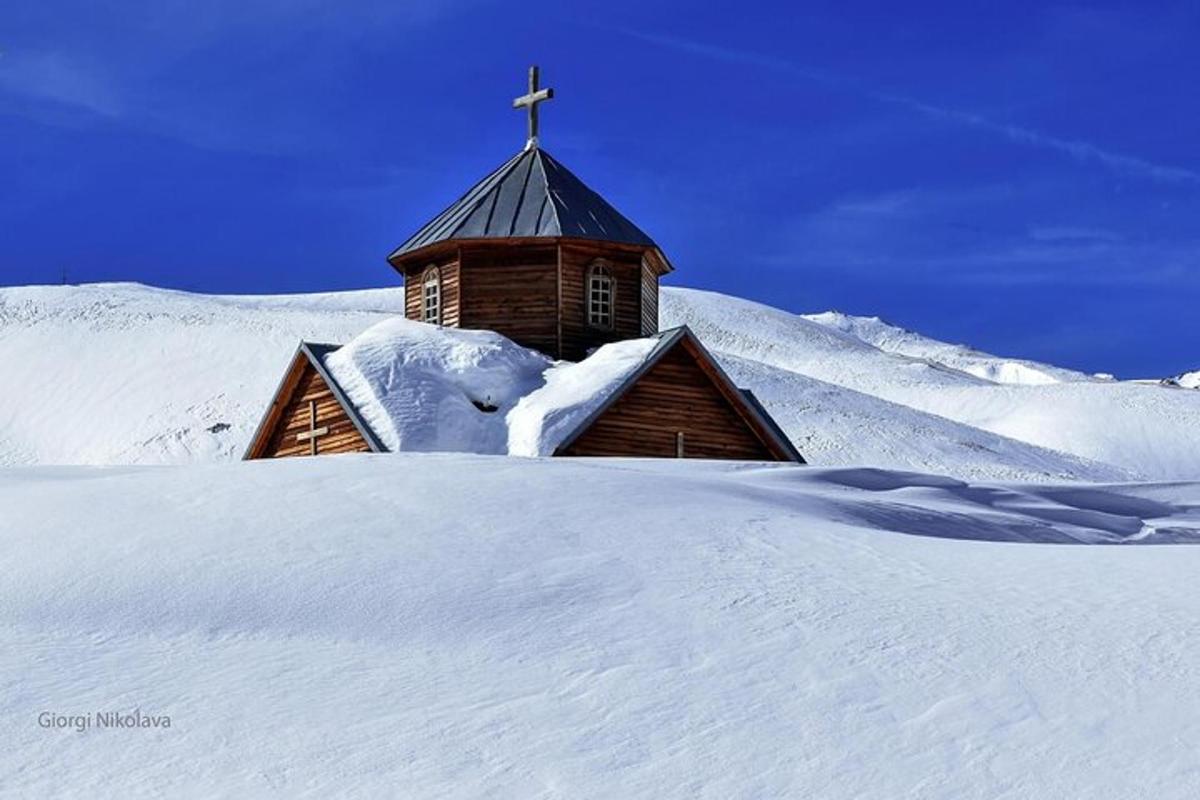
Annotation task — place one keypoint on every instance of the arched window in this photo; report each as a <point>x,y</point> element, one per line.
<point>431,296</point>
<point>600,291</point>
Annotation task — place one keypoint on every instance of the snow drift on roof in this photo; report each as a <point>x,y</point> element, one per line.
<point>543,420</point>
<point>418,385</point>
<point>420,388</point>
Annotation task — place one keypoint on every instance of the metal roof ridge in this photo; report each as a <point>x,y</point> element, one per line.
<point>539,155</point>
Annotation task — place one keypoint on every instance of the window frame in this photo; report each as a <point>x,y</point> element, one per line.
<point>431,277</point>
<point>606,319</point>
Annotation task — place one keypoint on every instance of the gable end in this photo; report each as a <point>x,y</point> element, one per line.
<point>288,426</point>
<point>680,403</point>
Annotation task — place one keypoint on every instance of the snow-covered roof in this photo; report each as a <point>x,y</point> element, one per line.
<point>425,388</point>
<point>422,388</point>
<point>572,393</point>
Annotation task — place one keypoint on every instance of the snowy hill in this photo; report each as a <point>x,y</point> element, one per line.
<point>892,339</point>
<point>1145,429</point>
<point>127,374</point>
<point>561,628</point>
<point>1186,380</point>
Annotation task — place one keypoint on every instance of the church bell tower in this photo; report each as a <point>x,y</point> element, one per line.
<point>533,253</point>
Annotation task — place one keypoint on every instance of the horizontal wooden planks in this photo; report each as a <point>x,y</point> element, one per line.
<point>513,291</point>
<point>533,291</point>
<point>649,299</point>
<point>296,418</point>
<point>625,267</point>
<point>675,396</point>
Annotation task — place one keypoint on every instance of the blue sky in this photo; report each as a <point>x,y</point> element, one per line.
<point>1024,177</point>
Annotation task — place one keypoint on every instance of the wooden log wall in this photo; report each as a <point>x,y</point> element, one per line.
<point>626,268</point>
<point>295,418</point>
<point>649,299</point>
<point>675,396</point>
<point>513,291</point>
<point>533,290</point>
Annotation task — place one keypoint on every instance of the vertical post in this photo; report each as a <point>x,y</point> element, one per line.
<point>558,310</point>
<point>533,106</point>
<point>312,426</point>
<point>679,444</point>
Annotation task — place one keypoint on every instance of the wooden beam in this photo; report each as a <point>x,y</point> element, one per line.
<point>558,310</point>
<point>304,436</point>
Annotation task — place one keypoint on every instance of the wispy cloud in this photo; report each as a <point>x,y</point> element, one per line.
<point>915,237</point>
<point>54,76</point>
<point>1079,150</point>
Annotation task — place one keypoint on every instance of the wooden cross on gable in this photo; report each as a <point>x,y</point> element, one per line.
<point>313,433</point>
<point>530,101</point>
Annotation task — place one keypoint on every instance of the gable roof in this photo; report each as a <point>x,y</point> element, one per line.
<point>743,401</point>
<point>308,353</point>
<point>530,195</point>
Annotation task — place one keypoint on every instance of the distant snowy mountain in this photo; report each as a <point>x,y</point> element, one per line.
<point>1186,380</point>
<point>892,339</point>
<point>126,374</point>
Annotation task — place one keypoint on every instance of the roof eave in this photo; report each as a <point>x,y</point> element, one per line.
<point>399,260</point>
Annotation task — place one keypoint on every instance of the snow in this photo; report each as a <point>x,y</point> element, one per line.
<point>1146,431</point>
<point>542,420</point>
<point>1187,380</point>
<point>124,373</point>
<point>955,602</point>
<point>419,387</point>
<point>892,339</point>
<point>159,376</point>
<point>423,388</point>
<point>585,628</point>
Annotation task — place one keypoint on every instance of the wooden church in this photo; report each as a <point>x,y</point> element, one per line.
<point>532,253</point>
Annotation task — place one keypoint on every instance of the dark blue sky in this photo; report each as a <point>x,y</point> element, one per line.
<point>1021,176</point>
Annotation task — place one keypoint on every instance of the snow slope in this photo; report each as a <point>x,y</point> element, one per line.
<point>595,628</point>
<point>1187,380</point>
<point>124,373</point>
<point>1145,429</point>
<point>121,373</point>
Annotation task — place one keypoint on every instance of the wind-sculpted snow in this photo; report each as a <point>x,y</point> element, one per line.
<point>420,387</point>
<point>543,419</point>
<point>471,626</point>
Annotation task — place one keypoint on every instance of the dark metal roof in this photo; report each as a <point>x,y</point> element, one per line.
<point>530,195</point>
